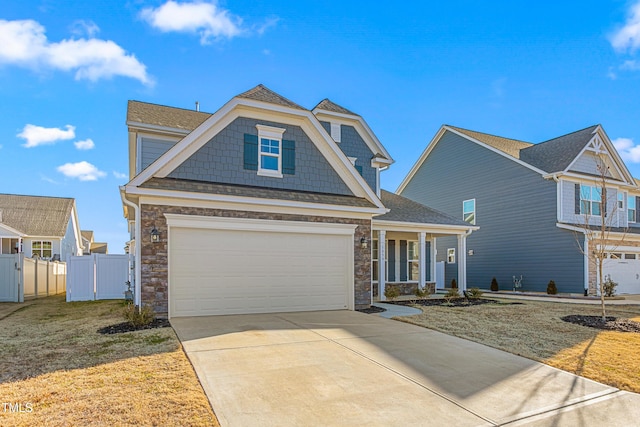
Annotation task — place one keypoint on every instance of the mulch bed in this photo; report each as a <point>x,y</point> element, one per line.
<point>372,310</point>
<point>612,323</point>
<point>457,302</point>
<point>128,327</point>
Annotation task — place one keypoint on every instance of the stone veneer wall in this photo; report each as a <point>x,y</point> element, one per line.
<point>154,259</point>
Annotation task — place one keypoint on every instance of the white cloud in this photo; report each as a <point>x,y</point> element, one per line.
<point>205,19</point>
<point>82,28</point>
<point>87,144</point>
<point>627,149</point>
<point>631,65</point>
<point>38,135</point>
<point>84,171</point>
<point>24,43</point>
<point>627,38</point>
<point>119,175</point>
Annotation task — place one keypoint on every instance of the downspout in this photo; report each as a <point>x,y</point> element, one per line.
<point>138,250</point>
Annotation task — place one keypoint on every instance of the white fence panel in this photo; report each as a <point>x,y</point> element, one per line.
<point>440,275</point>
<point>9,278</point>
<point>112,273</point>
<point>81,278</point>
<point>29,277</point>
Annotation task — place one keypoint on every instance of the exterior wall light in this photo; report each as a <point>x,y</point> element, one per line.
<point>155,235</point>
<point>364,243</point>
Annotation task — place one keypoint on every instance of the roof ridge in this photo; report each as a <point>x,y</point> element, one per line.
<point>567,134</point>
<point>168,106</point>
<point>31,195</point>
<point>489,134</point>
<point>329,105</point>
<point>264,94</point>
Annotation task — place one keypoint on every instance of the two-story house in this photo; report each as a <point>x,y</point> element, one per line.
<point>266,206</point>
<point>532,202</point>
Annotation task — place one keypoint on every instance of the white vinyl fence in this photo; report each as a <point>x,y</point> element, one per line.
<point>98,276</point>
<point>22,278</point>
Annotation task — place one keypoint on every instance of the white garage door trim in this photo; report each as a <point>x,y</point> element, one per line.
<point>177,221</point>
<point>626,272</point>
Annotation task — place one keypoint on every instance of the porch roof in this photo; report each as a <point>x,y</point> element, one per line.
<point>403,210</point>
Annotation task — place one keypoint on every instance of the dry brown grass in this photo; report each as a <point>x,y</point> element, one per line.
<point>52,358</point>
<point>534,330</point>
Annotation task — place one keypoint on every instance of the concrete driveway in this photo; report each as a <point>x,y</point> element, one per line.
<point>336,368</point>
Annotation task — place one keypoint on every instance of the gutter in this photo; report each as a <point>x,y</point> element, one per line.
<point>138,249</point>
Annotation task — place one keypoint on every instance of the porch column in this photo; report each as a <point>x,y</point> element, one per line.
<point>462,262</point>
<point>433,260</point>
<point>422,257</point>
<point>382,268</point>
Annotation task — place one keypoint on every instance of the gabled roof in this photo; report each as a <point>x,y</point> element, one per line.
<point>509,146</point>
<point>406,210</point>
<point>264,94</point>
<point>556,154</point>
<point>328,105</point>
<point>87,234</point>
<point>36,215</point>
<point>163,116</point>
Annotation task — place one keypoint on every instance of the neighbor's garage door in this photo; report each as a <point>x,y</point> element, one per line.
<point>273,266</point>
<point>624,269</point>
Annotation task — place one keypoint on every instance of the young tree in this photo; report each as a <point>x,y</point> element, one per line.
<point>598,223</point>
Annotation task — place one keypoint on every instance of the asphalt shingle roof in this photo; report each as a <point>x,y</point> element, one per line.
<point>556,154</point>
<point>161,115</point>
<point>36,215</point>
<point>406,210</point>
<point>264,94</point>
<point>328,105</point>
<point>508,146</point>
<point>255,192</point>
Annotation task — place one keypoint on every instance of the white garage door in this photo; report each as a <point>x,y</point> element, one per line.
<point>273,266</point>
<point>624,269</point>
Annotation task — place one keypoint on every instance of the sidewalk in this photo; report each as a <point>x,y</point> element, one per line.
<point>566,298</point>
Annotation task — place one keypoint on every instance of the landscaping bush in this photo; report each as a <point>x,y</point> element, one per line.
<point>451,295</point>
<point>551,288</point>
<point>609,287</point>
<point>454,284</point>
<point>474,293</point>
<point>391,293</point>
<point>139,317</point>
<point>494,285</point>
<point>422,293</point>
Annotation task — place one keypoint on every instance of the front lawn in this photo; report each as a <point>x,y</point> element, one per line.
<point>534,330</point>
<point>60,371</point>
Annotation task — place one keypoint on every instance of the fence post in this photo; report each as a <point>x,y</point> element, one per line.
<point>48,265</point>
<point>20,277</point>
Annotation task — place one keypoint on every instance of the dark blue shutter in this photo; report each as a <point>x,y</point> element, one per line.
<point>637,208</point>
<point>577,199</point>
<point>604,200</point>
<point>391,261</point>
<point>359,169</point>
<point>288,157</point>
<point>427,255</point>
<point>251,152</point>
<point>403,260</point>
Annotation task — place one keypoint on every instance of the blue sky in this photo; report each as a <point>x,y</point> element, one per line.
<point>523,70</point>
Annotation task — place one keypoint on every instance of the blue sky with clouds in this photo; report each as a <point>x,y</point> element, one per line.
<point>523,70</point>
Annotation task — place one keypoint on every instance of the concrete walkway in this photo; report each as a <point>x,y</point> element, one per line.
<point>342,368</point>
<point>568,299</point>
<point>395,310</point>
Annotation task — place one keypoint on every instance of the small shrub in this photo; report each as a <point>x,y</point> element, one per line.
<point>474,293</point>
<point>609,287</point>
<point>422,293</point>
<point>454,284</point>
<point>551,288</point>
<point>391,293</point>
<point>451,295</point>
<point>494,285</point>
<point>139,318</point>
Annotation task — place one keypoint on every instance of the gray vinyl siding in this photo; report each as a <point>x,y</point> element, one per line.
<point>568,195</point>
<point>516,213</point>
<point>586,163</point>
<point>352,145</point>
<point>151,149</point>
<point>221,160</point>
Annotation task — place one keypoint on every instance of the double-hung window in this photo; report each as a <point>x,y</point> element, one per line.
<point>41,249</point>
<point>451,256</point>
<point>631,208</point>
<point>590,200</point>
<point>269,150</point>
<point>413,256</point>
<point>469,211</point>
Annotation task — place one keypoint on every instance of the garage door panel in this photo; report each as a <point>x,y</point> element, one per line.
<point>231,271</point>
<point>625,272</point>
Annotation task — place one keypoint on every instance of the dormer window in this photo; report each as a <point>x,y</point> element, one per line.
<point>270,150</point>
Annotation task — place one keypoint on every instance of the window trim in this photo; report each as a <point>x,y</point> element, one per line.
<point>590,201</point>
<point>415,260</point>
<point>273,134</point>
<point>451,255</point>
<point>473,212</point>
<point>42,249</point>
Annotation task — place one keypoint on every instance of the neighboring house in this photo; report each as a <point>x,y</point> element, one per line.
<point>43,227</point>
<point>92,247</point>
<point>529,201</point>
<point>266,206</point>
